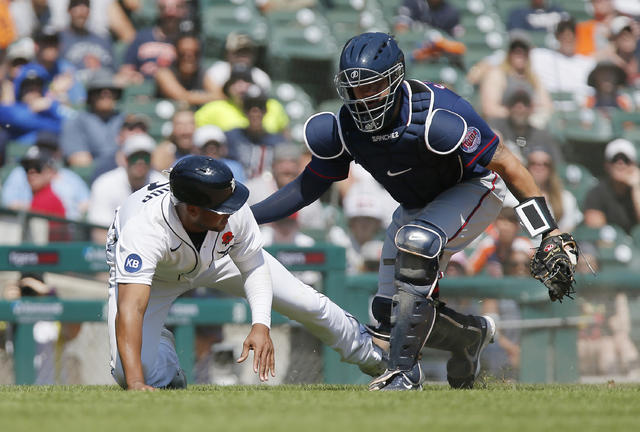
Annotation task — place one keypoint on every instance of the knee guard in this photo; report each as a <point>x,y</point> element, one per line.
<point>419,246</point>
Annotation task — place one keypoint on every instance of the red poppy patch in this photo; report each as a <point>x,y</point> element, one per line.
<point>227,237</point>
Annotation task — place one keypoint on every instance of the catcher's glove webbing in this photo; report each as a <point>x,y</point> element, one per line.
<point>554,264</point>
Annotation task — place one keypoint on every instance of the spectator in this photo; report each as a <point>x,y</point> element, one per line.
<point>17,55</point>
<point>561,69</point>
<point>67,185</point>
<point>605,346</point>
<point>7,30</point>
<point>288,163</point>
<point>211,141</point>
<point>185,80</point>
<point>83,48</point>
<point>32,112</point>
<point>607,80</point>
<point>365,214</point>
<point>624,48</point>
<point>227,113</point>
<point>64,86</point>
<point>180,142</point>
<point>371,252</point>
<point>45,333</point>
<point>153,47</point>
<point>38,164</point>
<point>29,15</point>
<point>538,16</point>
<point>92,134</point>
<point>239,49</point>
<point>516,130</point>
<point>615,200</point>
<point>514,73</point>
<point>495,247</point>
<point>119,17</point>
<point>414,14</point>
<point>563,205</point>
<point>253,146</point>
<point>133,124</point>
<point>113,187</point>
<point>592,36</point>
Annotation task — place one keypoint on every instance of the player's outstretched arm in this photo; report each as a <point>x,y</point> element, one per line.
<point>260,342</point>
<point>132,304</point>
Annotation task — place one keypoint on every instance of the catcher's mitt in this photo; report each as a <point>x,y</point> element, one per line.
<point>554,263</point>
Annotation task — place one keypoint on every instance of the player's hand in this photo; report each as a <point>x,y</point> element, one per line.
<point>263,354</point>
<point>140,386</point>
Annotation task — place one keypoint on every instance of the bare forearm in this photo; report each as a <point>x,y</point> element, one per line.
<point>129,341</point>
<point>517,177</point>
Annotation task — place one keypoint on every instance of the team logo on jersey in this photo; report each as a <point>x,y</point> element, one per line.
<point>133,263</point>
<point>227,237</point>
<point>471,140</point>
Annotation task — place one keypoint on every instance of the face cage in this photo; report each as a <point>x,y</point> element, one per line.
<point>369,119</point>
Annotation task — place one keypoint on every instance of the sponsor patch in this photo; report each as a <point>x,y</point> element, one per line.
<point>133,263</point>
<point>471,140</point>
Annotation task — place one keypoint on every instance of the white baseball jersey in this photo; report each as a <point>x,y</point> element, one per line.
<point>147,244</point>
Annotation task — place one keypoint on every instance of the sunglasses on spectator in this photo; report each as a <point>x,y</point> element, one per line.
<point>540,163</point>
<point>621,158</point>
<point>32,166</point>
<point>143,156</point>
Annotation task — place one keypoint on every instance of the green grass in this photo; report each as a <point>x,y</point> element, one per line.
<point>494,407</point>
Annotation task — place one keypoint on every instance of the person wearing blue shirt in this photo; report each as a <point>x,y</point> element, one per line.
<point>448,170</point>
<point>32,112</point>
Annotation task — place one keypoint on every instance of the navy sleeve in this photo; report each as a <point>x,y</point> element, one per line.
<point>480,142</point>
<point>131,55</point>
<point>302,191</point>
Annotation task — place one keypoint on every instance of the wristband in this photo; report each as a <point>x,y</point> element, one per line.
<point>535,216</point>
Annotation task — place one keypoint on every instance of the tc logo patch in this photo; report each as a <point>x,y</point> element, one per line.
<point>133,263</point>
<point>471,140</point>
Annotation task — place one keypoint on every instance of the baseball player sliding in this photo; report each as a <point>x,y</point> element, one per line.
<point>197,231</point>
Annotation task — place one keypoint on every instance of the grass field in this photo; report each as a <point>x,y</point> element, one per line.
<point>495,407</point>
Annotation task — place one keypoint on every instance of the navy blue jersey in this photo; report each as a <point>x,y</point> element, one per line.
<point>437,141</point>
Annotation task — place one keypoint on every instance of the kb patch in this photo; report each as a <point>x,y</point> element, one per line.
<point>471,140</point>
<point>133,263</point>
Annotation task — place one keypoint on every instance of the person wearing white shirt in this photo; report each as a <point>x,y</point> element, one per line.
<point>196,230</point>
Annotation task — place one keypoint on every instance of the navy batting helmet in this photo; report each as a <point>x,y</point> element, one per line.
<point>374,62</point>
<point>206,182</point>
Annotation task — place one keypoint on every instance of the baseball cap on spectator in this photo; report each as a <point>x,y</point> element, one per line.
<point>73,3</point>
<point>45,34</point>
<point>238,41</point>
<point>103,79</point>
<point>359,202</point>
<point>136,120</point>
<point>620,24</point>
<point>519,38</point>
<point>207,134</point>
<point>22,49</point>
<point>138,143</point>
<point>620,146</point>
<point>254,98</point>
<point>36,158</point>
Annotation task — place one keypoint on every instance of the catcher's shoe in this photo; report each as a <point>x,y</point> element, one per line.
<point>464,366</point>
<point>178,382</point>
<point>398,380</point>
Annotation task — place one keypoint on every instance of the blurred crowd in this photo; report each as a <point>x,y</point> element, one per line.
<point>93,106</point>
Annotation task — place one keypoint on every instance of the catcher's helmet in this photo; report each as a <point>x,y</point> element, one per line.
<point>370,59</point>
<point>206,182</point>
